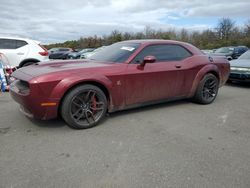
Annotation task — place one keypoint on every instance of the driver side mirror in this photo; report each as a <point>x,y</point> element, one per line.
<point>147,59</point>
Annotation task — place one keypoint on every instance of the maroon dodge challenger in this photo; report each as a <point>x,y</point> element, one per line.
<point>124,75</point>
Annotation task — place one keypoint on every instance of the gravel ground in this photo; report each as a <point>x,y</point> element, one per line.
<point>177,144</point>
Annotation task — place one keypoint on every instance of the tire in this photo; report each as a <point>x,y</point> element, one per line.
<point>84,107</point>
<point>207,89</point>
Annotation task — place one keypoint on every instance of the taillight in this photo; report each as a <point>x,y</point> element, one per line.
<point>45,52</point>
<point>9,71</point>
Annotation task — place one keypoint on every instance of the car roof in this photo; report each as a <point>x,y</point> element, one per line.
<point>190,47</point>
<point>19,38</point>
<point>146,41</point>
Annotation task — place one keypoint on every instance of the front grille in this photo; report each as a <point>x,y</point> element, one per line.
<point>22,86</point>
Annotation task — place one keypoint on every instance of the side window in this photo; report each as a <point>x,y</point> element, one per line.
<point>11,44</point>
<point>244,50</point>
<point>7,44</point>
<point>237,50</point>
<point>63,49</point>
<point>163,52</point>
<point>20,43</point>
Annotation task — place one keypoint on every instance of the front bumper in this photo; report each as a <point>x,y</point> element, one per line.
<point>31,103</point>
<point>239,76</point>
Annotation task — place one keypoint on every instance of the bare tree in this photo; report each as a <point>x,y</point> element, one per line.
<point>225,27</point>
<point>184,36</point>
<point>247,28</point>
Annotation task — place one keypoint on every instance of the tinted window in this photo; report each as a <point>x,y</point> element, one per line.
<point>11,44</point>
<point>163,52</point>
<point>64,49</point>
<point>118,52</point>
<point>7,44</point>
<point>20,43</point>
<point>224,50</point>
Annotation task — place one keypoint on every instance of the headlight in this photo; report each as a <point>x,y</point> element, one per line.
<point>240,69</point>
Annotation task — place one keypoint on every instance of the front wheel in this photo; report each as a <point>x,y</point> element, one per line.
<point>207,89</point>
<point>84,107</point>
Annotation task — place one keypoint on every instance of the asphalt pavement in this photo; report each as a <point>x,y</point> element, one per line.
<point>177,144</point>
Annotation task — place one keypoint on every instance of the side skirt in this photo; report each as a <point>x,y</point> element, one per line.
<point>139,105</point>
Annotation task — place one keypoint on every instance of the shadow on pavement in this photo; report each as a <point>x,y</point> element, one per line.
<point>54,123</point>
<point>59,123</point>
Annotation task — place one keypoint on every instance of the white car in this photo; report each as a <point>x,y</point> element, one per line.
<point>22,52</point>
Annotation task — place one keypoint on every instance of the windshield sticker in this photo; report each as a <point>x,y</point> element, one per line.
<point>127,48</point>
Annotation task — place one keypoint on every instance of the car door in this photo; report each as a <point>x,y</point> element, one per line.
<point>160,80</point>
<point>22,50</point>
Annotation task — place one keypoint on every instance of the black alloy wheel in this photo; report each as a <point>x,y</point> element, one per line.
<point>207,89</point>
<point>210,89</point>
<point>84,107</point>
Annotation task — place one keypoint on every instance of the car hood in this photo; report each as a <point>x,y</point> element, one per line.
<point>240,63</point>
<point>70,67</point>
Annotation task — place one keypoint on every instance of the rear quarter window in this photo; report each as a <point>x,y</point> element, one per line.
<point>20,43</point>
<point>64,49</point>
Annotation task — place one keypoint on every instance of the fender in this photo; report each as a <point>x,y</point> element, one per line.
<point>66,84</point>
<point>206,69</point>
<point>28,60</point>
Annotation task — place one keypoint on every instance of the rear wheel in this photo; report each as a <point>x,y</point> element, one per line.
<point>84,107</point>
<point>207,89</point>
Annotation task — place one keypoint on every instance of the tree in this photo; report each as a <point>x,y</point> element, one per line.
<point>184,36</point>
<point>224,28</point>
<point>225,34</point>
<point>149,32</point>
<point>116,36</point>
<point>247,28</point>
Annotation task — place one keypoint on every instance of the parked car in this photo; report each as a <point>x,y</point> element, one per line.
<point>124,75</point>
<point>231,52</point>
<point>59,53</point>
<point>76,55</point>
<point>89,54</point>
<point>22,52</point>
<point>240,68</point>
<point>207,51</point>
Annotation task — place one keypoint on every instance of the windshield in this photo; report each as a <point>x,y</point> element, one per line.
<point>224,50</point>
<point>246,55</point>
<point>86,50</point>
<point>118,52</point>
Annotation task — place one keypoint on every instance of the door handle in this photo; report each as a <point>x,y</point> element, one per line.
<point>20,53</point>
<point>177,66</point>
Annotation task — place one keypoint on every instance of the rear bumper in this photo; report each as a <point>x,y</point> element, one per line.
<point>31,104</point>
<point>242,77</point>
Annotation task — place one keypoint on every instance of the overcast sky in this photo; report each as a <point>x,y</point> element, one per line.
<point>52,21</point>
